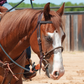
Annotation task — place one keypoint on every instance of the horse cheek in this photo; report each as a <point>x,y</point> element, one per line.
<point>34,43</point>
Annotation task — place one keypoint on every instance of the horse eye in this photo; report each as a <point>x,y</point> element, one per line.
<point>49,39</point>
<point>56,31</point>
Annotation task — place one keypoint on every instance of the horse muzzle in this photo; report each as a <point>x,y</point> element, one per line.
<point>55,75</point>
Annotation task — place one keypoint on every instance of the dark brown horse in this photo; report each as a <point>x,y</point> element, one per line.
<point>17,32</point>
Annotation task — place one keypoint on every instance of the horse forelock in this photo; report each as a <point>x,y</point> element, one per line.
<point>56,20</point>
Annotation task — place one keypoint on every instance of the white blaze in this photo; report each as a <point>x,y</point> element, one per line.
<point>57,60</point>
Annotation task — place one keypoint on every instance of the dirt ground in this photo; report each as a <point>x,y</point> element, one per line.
<point>74,70</point>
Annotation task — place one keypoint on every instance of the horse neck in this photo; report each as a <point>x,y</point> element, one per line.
<point>11,35</point>
<point>22,44</point>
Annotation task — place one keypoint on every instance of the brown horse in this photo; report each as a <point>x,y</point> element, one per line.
<point>17,32</point>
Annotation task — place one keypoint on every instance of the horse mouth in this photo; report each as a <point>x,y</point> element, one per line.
<point>50,75</point>
<point>47,72</point>
<point>54,77</point>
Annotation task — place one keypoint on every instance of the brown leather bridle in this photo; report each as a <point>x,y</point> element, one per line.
<point>48,54</point>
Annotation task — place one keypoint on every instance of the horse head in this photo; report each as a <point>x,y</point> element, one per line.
<point>52,36</point>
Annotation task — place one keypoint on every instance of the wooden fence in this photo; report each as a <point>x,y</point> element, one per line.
<point>74,30</point>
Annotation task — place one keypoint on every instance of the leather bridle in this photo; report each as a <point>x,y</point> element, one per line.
<point>48,54</point>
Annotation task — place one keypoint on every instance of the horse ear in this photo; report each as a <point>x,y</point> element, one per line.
<point>46,11</point>
<point>60,11</point>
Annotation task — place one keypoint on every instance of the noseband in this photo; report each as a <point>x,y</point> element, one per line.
<point>48,54</point>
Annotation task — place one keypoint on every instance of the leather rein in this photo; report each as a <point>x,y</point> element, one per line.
<point>48,54</point>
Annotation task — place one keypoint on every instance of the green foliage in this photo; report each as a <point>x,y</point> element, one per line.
<point>24,5</point>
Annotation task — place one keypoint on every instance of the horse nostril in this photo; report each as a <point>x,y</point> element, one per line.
<point>56,73</point>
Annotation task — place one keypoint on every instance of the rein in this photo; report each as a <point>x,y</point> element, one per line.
<point>18,4</point>
<point>15,6</point>
<point>13,60</point>
<point>8,66</point>
<point>31,4</point>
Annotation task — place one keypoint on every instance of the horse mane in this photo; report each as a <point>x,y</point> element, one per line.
<point>20,19</point>
<point>16,25</point>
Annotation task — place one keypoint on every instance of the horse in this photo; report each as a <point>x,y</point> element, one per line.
<point>18,31</point>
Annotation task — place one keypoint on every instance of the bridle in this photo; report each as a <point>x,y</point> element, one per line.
<point>47,55</point>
